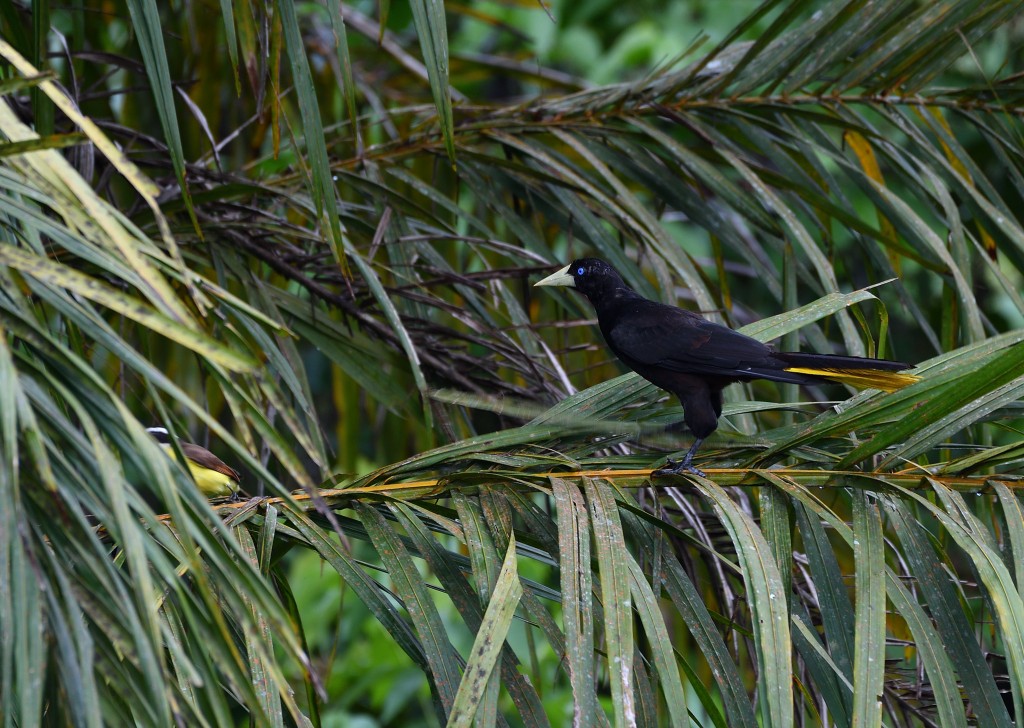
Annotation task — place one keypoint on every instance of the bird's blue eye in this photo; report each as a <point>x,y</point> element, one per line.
<point>579,271</point>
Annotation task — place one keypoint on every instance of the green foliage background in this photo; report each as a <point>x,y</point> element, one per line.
<point>305,236</point>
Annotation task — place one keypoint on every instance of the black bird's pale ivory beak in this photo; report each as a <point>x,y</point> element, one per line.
<point>559,278</point>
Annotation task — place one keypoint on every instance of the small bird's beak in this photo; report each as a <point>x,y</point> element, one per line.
<point>558,278</point>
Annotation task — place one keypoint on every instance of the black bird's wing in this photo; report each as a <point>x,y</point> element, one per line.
<point>654,334</point>
<point>660,341</point>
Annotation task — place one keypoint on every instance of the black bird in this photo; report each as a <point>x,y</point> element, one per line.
<point>694,358</point>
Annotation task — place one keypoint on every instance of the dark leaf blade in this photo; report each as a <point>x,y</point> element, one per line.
<point>323,192</point>
<point>769,611</point>
<point>432,29</point>
<point>437,648</point>
<point>610,548</point>
<point>661,645</point>
<point>869,640</point>
<point>953,625</point>
<point>150,35</point>
<point>576,586</point>
<point>484,654</point>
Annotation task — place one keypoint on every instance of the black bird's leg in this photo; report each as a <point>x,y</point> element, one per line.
<point>702,406</point>
<point>678,467</point>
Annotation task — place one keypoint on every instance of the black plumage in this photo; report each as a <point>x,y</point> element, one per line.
<point>693,358</point>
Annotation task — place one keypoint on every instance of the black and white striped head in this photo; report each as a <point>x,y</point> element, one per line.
<point>160,434</point>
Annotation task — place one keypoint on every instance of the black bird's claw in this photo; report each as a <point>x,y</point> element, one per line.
<point>678,467</point>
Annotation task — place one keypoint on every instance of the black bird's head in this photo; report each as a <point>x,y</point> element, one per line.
<point>592,277</point>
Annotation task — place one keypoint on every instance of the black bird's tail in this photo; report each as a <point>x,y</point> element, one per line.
<point>857,371</point>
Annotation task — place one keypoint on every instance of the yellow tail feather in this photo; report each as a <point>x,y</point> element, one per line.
<point>863,378</point>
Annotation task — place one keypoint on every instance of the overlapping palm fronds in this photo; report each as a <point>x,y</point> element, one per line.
<point>317,247</point>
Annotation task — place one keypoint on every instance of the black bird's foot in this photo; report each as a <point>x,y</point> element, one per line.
<point>678,467</point>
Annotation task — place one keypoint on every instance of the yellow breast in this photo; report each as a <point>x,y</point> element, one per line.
<point>211,483</point>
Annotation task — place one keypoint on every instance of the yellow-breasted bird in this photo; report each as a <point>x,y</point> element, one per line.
<point>214,477</point>
<point>695,359</point>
